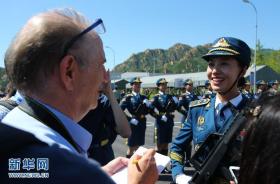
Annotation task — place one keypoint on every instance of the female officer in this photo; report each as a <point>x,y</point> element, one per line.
<point>165,104</point>
<point>228,60</point>
<point>137,106</point>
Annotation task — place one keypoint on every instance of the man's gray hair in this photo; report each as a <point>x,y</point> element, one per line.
<point>38,48</point>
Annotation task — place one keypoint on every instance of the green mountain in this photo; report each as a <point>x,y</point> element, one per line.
<point>182,58</point>
<point>179,58</point>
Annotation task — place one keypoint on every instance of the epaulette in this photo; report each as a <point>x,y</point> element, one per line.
<point>128,95</point>
<point>199,102</point>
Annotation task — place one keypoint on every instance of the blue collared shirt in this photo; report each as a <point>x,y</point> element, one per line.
<point>80,135</point>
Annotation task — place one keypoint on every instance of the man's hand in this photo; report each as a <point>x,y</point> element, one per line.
<point>144,170</point>
<point>115,165</point>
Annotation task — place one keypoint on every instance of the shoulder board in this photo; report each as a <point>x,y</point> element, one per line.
<point>199,102</point>
<point>129,95</point>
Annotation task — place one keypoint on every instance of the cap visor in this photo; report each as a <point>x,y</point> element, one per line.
<point>217,53</point>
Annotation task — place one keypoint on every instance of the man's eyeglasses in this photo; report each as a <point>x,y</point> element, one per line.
<point>97,26</point>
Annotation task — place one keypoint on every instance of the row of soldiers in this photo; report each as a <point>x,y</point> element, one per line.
<point>272,87</point>
<point>161,107</point>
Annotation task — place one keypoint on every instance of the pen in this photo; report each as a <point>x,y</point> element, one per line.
<point>136,159</point>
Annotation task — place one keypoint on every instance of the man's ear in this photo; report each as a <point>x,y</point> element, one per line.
<point>67,69</point>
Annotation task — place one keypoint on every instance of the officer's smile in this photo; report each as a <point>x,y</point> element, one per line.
<point>217,80</point>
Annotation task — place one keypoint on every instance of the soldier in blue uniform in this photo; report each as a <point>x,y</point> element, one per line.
<point>186,98</point>
<point>274,87</point>
<point>165,104</point>
<point>208,93</point>
<point>104,127</point>
<point>137,106</point>
<point>261,88</point>
<point>246,90</point>
<point>228,60</point>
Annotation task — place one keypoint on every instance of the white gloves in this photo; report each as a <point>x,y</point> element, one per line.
<point>134,121</point>
<point>182,179</point>
<point>164,118</point>
<point>175,99</point>
<point>147,102</point>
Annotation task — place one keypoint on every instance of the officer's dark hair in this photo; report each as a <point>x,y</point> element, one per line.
<point>260,162</point>
<point>37,50</point>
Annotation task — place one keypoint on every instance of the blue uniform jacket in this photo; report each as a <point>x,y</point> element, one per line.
<point>248,95</point>
<point>164,104</point>
<point>135,107</point>
<point>100,122</point>
<point>184,101</point>
<point>199,124</point>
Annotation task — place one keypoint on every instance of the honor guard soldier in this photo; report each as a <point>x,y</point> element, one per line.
<point>137,106</point>
<point>246,90</point>
<point>186,98</point>
<point>104,127</point>
<point>104,123</point>
<point>208,93</point>
<point>103,131</point>
<point>261,88</point>
<point>165,104</point>
<point>274,87</point>
<point>228,60</point>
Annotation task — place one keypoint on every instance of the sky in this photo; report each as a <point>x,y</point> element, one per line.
<point>134,26</point>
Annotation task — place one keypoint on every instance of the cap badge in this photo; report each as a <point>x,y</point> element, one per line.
<point>222,43</point>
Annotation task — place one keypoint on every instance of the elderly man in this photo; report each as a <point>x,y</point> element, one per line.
<point>56,61</point>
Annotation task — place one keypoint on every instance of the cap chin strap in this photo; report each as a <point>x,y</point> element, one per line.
<point>236,80</point>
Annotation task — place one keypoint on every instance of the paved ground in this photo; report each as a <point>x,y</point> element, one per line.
<point>120,147</point>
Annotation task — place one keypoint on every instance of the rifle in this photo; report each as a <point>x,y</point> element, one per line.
<point>170,107</point>
<point>213,150</point>
<point>141,110</point>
